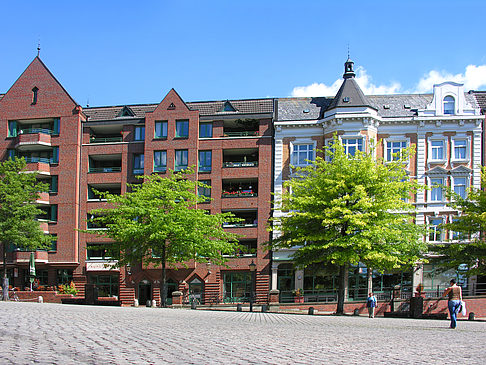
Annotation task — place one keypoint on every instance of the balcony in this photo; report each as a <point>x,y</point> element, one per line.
<point>240,188</point>
<point>241,157</point>
<point>24,256</point>
<point>105,139</point>
<point>240,128</point>
<point>34,139</point>
<point>43,198</point>
<point>105,163</point>
<point>249,219</point>
<point>41,166</point>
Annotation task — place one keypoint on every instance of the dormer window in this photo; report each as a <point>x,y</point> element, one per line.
<point>34,95</point>
<point>449,105</point>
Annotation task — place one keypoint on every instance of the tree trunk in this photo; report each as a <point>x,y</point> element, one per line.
<point>163,289</point>
<point>5,279</point>
<point>341,289</point>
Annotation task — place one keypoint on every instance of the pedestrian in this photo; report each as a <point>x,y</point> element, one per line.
<point>454,293</point>
<point>371,305</point>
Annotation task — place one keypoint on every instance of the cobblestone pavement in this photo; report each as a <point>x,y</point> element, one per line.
<point>64,334</point>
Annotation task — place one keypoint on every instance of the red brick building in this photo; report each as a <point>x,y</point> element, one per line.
<point>78,149</point>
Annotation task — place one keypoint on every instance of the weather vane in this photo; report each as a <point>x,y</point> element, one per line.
<point>38,48</point>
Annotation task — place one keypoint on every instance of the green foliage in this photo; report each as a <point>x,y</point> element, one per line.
<point>159,222</point>
<point>347,210</point>
<point>67,289</point>
<point>18,208</point>
<point>470,225</point>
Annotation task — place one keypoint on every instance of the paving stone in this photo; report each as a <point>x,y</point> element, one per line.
<point>34,333</point>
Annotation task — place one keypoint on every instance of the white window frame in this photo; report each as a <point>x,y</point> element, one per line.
<point>307,142</point>
<point>430,184</point>
<point>466,185</point>
<point>348,137</point>
<point>444,152</point>
<point>453,149</point>
<point>392,140</point>
<point>454,102</point>
<point>442,233</point>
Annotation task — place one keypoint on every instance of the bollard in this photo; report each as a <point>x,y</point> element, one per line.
<point>471,316</point>
<point>356,312</point>
<point>149,303</point>
<point>264,308</point>
<point>239,308</point>
<point>41,300</point>
<point>193,304</point>
<point>154,303</point>
<point>135,302</point>
<point>311,311</point>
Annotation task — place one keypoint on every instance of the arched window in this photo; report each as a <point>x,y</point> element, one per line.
<point>449,105</point>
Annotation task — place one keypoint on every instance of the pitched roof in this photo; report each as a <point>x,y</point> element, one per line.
<point>290,109</point>
<point>349,95</point>
<point>480,97</point>
<point>206,108</point>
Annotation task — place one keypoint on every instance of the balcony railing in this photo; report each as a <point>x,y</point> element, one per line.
<point>106,139</point>
<point>36,131</point>
<point>105,169</point>
<point>38,159</point>
<point>238,194</point>
<point>241,134</point>
<point>239,225</point>
<point>241,164</point>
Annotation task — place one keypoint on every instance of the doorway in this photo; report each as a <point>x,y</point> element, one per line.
<point>196,291</point>
<point>144,292</point>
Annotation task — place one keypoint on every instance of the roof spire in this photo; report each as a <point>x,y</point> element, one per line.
<point>348,68</point>
<point>38,48</point>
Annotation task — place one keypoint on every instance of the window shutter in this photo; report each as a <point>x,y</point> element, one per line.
<point>55,155</point>
<point>57,127</point>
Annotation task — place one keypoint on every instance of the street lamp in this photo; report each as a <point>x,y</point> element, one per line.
<point>252,267</point>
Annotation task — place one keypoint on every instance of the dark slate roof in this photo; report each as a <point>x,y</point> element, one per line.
<point>301,108</point>
<point>388,106</point>
<point>206,108</point>
<point>480,97</point>
<point>349,95</point>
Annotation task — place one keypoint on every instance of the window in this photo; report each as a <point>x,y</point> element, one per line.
<point>435,229</point>
<point>12,128</point>
<point>97,251</point>
<point>205,161</point>
<point>394,149</point>
<point>55,155</point>
<point>35,91</point>
<point>48,213</point>
<point>204,191</point>
<point>11,154</point>
<point>107,285</point>
<point>64,276</point>
<point>237,285</point>
<point>139,133</point>
<point>180,160</point>
<point>182,128</point>
<point>302,154</point>
<point>449,105</point>
<point>160,161</point>
<point>42,276</point>
<point>53,183</point>
<point>436,186</point>
<point>206,130</point>
<point>138,164</point>
<point>437,150</point>
<point>460,185</point>
<point>160,130</point>
<point>56,128</point>
<point>53,247</point>
<point>460,149</point>
<point>351,145</point>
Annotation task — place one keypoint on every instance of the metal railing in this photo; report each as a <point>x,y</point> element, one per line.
<point>36,131</point>
<point>38,159</point>
<point>237,194</point>
<point>105,139</point>
<point>241,164</point>
<point>105,169</point>
<point>241,134</point>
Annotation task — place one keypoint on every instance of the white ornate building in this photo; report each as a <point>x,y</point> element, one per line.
<point>446,129</point>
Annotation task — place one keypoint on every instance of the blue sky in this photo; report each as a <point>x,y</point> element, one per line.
<point>126,52</point>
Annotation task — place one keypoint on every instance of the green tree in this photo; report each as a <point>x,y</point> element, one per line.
<point>345,209</point>
<point>18,211</point>
<point>469,244</point>
<point>158,223</point>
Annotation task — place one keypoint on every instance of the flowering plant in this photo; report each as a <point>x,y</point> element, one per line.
<point>298,292</point>
<point>67,289</point>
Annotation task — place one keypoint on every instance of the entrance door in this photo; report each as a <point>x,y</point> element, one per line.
<point>196,291</point>
<point>144,292</point>
<point>171,287</point>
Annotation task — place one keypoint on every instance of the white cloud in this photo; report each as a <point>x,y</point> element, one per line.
<point>364,82</point>
<point>473,78</point>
